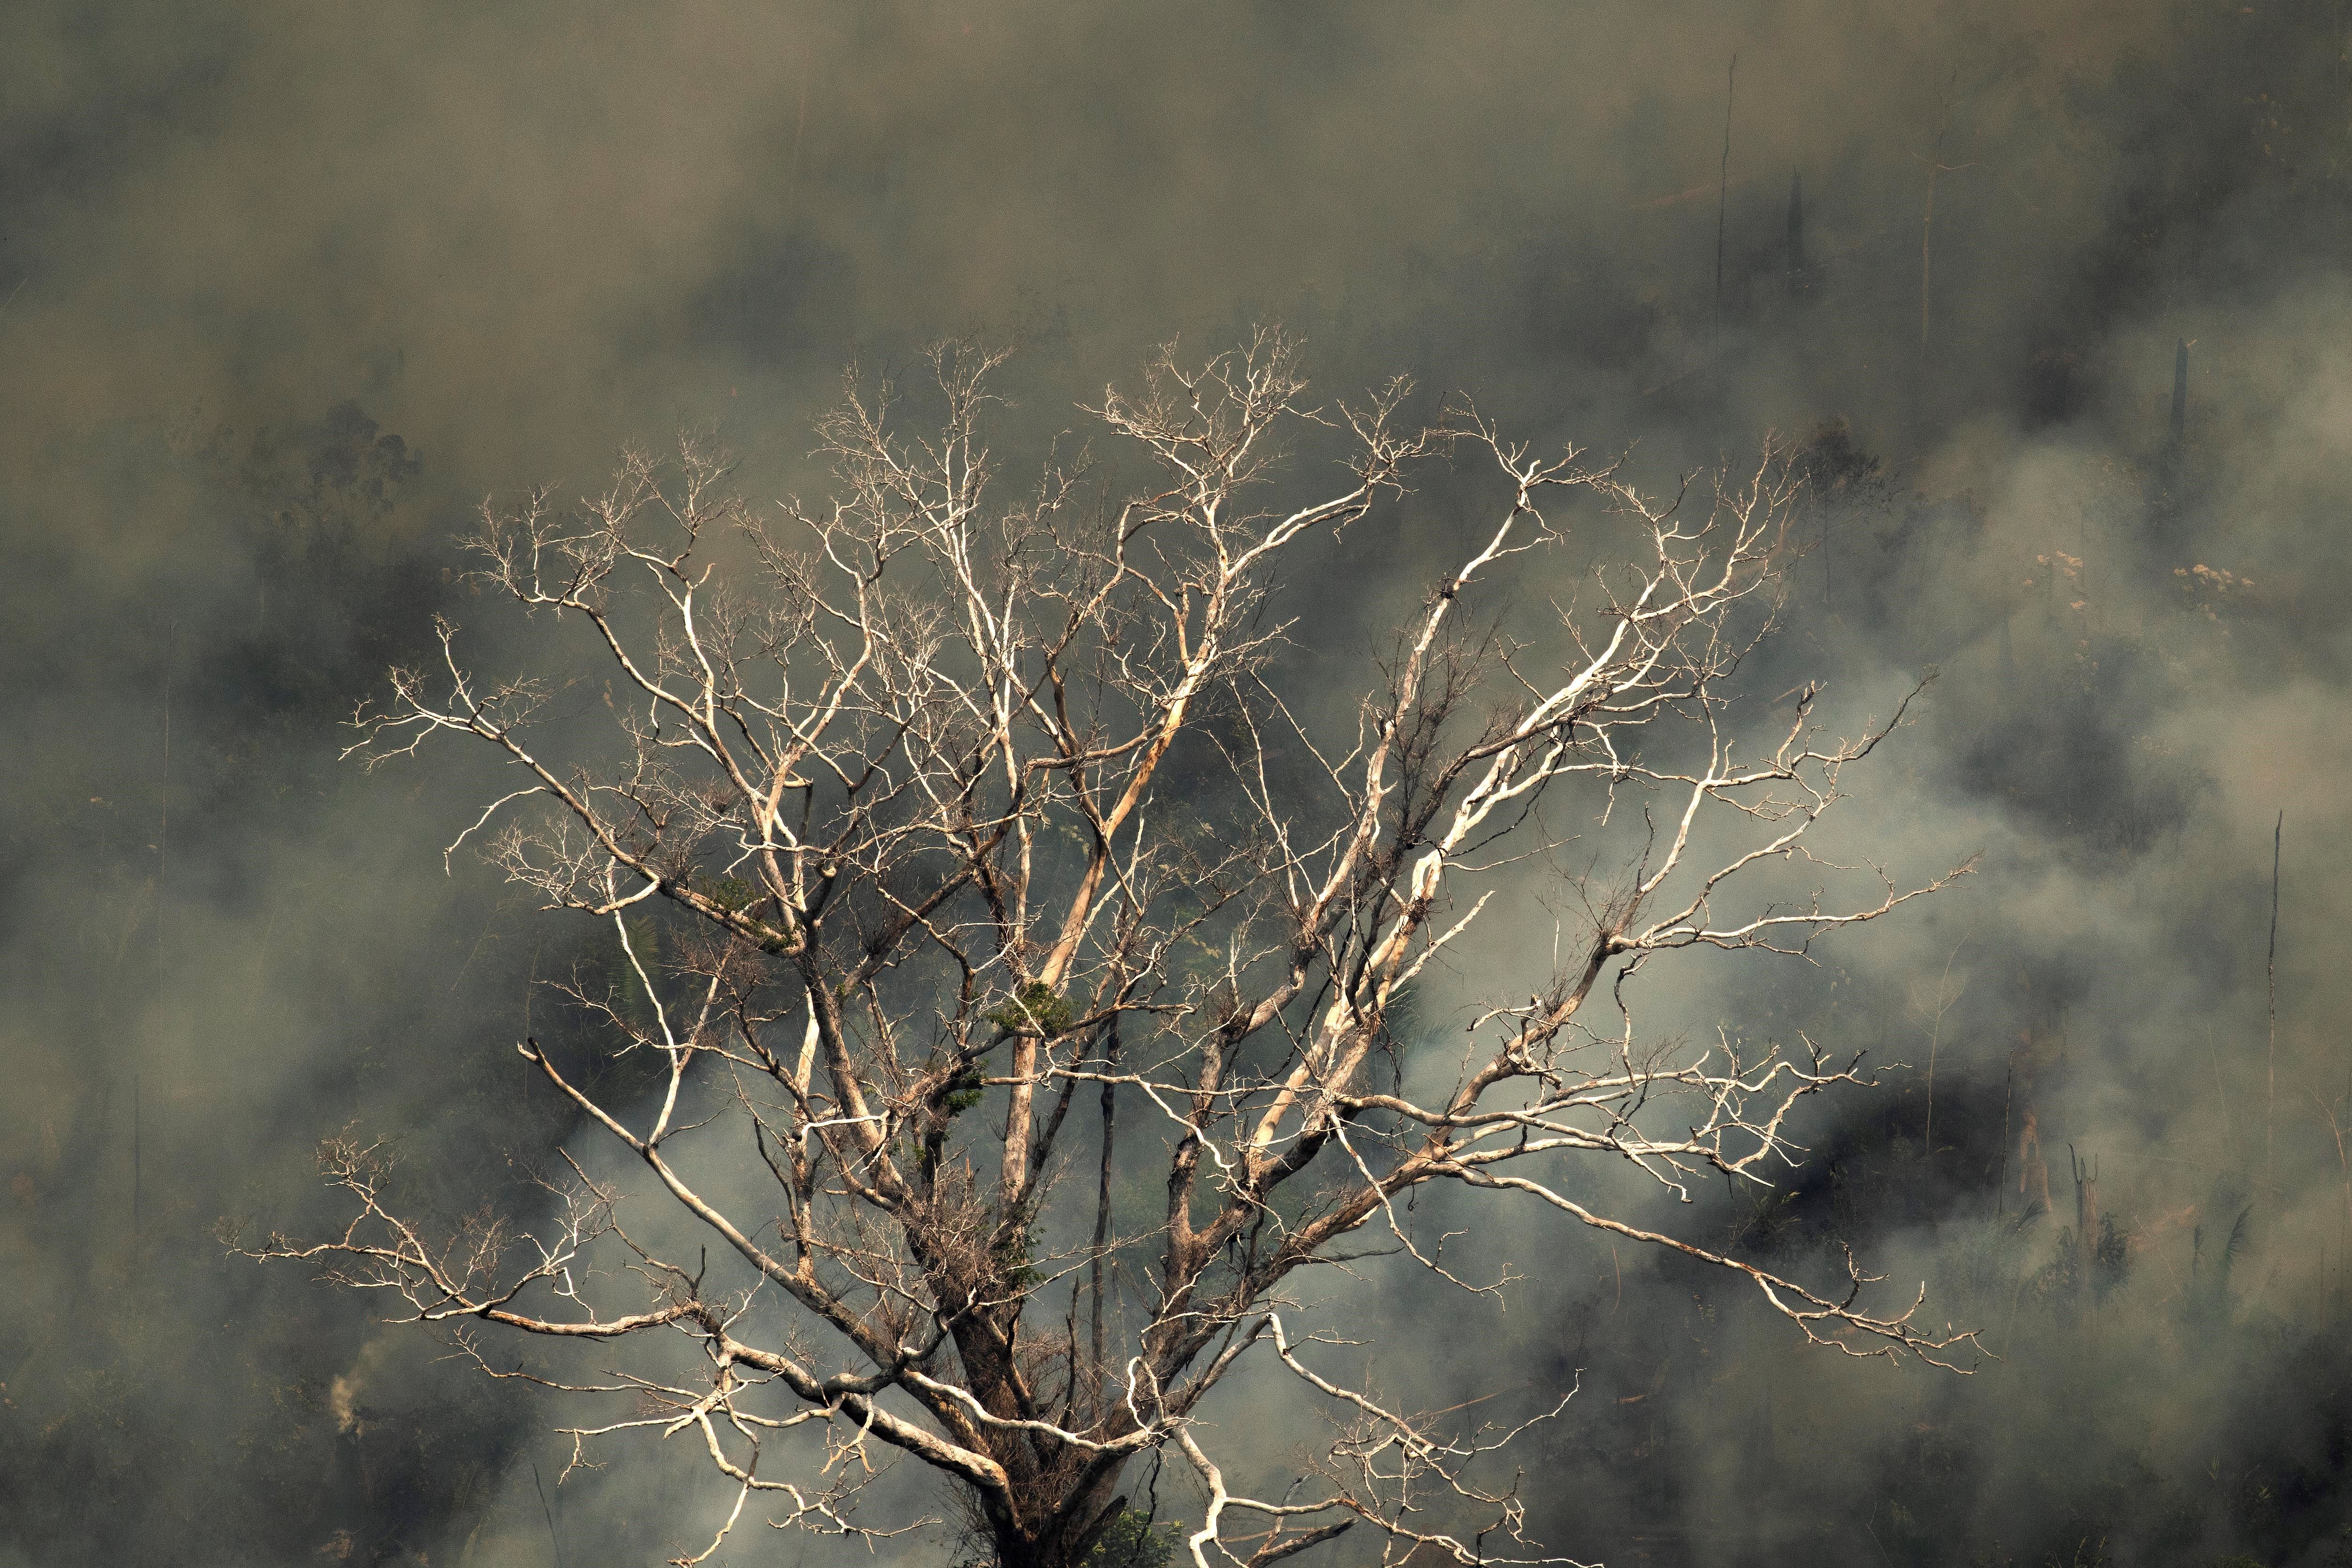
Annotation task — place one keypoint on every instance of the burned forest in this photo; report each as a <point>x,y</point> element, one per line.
<point>1017,786</point>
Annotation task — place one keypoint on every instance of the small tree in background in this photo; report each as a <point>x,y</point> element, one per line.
<point>1010,867</point>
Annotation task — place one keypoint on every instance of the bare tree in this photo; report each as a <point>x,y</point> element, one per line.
<point>969,814</point>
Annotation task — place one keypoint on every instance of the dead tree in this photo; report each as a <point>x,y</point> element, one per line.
<point>964,812</point>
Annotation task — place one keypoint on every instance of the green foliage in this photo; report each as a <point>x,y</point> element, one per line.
<point>2108,1263</point>
<point>1133,1540</point>
<point>1012,1253</point>
<point>952,1099</point>
<point>1035,1009</point>
<point>732,894</point>
<point>963,1091</point>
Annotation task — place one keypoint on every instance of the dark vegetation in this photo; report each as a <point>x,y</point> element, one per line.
<point>317,594</point>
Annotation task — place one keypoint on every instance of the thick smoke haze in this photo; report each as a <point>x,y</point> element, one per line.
<point>289,289</point>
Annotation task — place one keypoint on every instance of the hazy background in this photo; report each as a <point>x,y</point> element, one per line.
<point>289,287</point>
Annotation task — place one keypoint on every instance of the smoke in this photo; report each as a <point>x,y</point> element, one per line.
<point>287,289</point>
